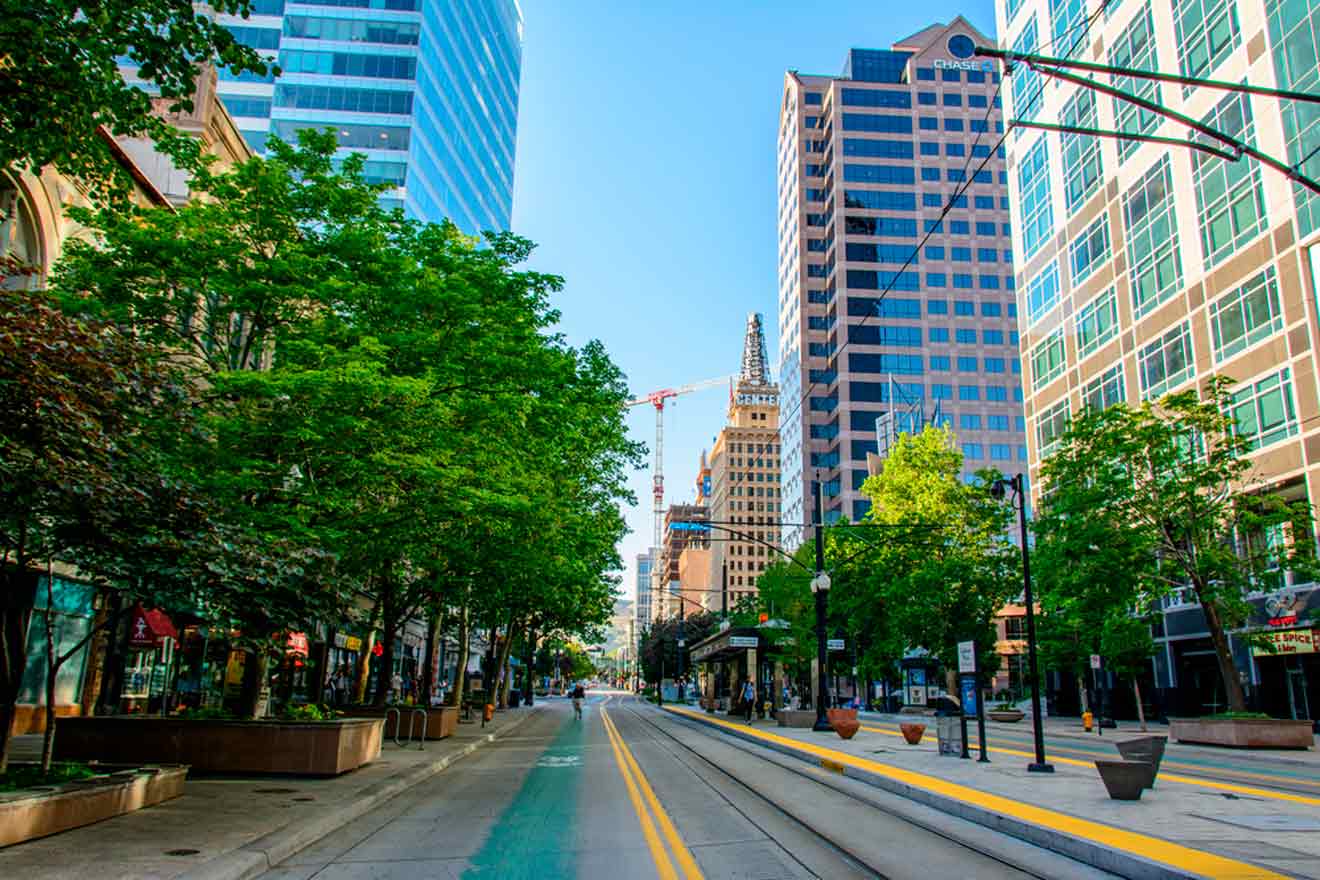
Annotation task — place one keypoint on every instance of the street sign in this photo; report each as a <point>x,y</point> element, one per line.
<point>743,641</point>
<point>967,656</point>
<point>682,642</point>
<point>1095,661</point>
<point>834,644</point>
<point>967,687</point>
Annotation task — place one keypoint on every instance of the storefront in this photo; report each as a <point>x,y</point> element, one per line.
<point>72,615</point>
<point>724,660</point>
<point>1288,667</point>
<point>150,666</point>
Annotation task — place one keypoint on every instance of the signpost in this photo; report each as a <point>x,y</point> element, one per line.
<point>1096,666</point>
<point>834,644</point>
<point>743,641</point>
<point>972,698</point>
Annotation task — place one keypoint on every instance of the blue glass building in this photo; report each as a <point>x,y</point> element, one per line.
<point>426,89</point>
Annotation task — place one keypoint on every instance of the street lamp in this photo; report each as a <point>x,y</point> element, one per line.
<point>820,589</point>
<point>999,489</point>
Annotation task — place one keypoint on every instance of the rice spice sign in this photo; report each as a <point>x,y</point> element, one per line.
<point>1284,642</point>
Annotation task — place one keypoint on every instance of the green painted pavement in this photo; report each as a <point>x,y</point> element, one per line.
<point>532,837</point>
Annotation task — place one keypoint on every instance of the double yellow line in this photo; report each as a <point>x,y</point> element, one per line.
<point>641,795</point>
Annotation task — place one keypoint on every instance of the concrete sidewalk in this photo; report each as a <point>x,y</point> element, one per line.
<point>1182,828</point>
<point>225,828</point>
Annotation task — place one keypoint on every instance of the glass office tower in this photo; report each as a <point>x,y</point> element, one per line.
<point>867,161</point>
<point>427,89</point>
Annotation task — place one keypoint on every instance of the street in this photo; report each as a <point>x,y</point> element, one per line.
<point>629,792</point>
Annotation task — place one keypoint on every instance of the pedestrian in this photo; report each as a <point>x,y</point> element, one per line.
<point>341,685</point>
<point>748,695</point>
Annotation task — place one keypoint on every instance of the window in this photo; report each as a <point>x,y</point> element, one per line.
<point>1048,360</point>
<point>997,423</point>
<point>987,255</point>
<point>930,148</point>
<point>878,253</point>
<point>962,281</point>
<point>1246,315</point>
<point>903,364</point>
<point>1034,192</point>
<point>952,99</point>
<point>1135,48</point>
<point>967,364</point>
<point>987,282</point>
<point>1167,362</point>
<point>930,123</point>
<point>953,125</point>
<point>984,203</point>
<point>879,200</point>
<point>255,37</point>
<point>1230,203</point>
<point>1294,45</point>
<point>1081,152</point>
<point>1263,411</point>
<point>1090,249</point>
<point>1207,31</point>
<point>961,254</point>
<point>1042,292</point>
<point>877,122</point>
<point>877,149</point>
<point>934,253</point>
<point>1097,322</point>
<point>1069,19</point>
<point>1051,426</point>
<point>936,279</point>
<point>1025,82</point>
<point>882,334</point>
<point>965,336</point>
<point>937,306</point>
<point>898,174</point>
<point>1105,390</point>
<point>971,451</point>
<point>952,149</point>
<point>964,308</point>
<point>349,64</point>
<point>991,309</point>
<point>969,422</point>
<point>1001,452</point>
<point>927,99</point>
<point>994,365</point>
<point>401,33</point>
<point>931,200</point>
<point>941,392</point>
<point>996,393</point>
<point>876,98</point>
<point>1154,267</point>
<point>992,337</point>
<point>930,174</point>
<point>969,392</point>
<point>939,334</point>
<point>940,363</point>
<point>242,105</point>
<point>893,227</point>
<point>376,137</point>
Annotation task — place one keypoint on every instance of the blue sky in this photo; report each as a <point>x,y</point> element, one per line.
<point>646,175</point>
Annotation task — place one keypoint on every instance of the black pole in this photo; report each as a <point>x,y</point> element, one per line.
<point>681,640</point>
<point>980,718</point>
<point>821,594</point>
<point>724,592</point>
<point>1037,723</point>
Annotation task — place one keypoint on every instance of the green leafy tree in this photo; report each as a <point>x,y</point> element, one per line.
<point>61,90</point>
<point>1178,487</point>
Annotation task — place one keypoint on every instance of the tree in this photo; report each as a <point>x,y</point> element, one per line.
<point>942,567</point>
<point>61,89</point>
<point>1178,487</point>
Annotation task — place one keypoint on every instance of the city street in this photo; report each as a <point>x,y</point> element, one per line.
<point>628,792</point>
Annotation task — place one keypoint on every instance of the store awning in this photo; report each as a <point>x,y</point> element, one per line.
<point>147,629</point>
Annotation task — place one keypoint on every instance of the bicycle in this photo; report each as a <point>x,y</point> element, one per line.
<point>577,709</point>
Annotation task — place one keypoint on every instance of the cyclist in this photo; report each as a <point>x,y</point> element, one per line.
<point>579,694</point>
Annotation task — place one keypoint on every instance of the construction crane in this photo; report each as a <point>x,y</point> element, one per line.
<point>657,399</point>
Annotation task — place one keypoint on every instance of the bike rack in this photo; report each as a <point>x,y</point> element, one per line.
<point>412,719</point>
<point>398,723</point>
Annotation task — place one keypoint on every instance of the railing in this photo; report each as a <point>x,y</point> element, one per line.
<point>412,722</point>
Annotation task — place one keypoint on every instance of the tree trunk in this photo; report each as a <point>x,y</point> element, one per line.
<point>52,671</point>
<point>15,611</point>
<point>504,666</point>
<point>112,666</point>
<point>1081,693</point>
<point>255,669</point>
<point>460,672</point>
<point>389,629</point>
<point>1237,700</point>
<point>428,673</point>
<point>528,695</point>
<point>364,662</point>
<point>1141,710</point>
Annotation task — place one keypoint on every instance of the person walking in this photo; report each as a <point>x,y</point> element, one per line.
<point>579,694</point>
<point>748,695</point>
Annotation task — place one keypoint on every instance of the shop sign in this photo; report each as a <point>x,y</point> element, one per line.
<point>987,66</point>
<point>1287,641</point>
<point>743,641</point>
<point>967,656</point>
<point>148,629</point>
<point>297,644</point>
<point>1282,609</point>
<point>347,642</point>
<point>834,644</point>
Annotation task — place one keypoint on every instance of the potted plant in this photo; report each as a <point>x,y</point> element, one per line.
<point>844,721</point>
<point>1006,711</point>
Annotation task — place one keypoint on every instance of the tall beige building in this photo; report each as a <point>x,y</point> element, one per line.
<point>1144,268</point>
<point>686,539</point>
<point>745,499</point>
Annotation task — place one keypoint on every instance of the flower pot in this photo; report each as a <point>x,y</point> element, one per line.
<point>912,732</point>
<point>1124,780</point>
<point>844,721</point>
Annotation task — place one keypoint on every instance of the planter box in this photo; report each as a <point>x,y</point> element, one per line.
<point>1243,733</point>
<point>296,748</point>
<point>37,812</point>
<point>796,717</point>
<point>440,721</point>
<point>1008,715</point>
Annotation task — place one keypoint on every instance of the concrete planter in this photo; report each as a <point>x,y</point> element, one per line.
<point>295,748</point>
<point>802,718</point>
<point>37,812</point>
<point>1125,780</point>
<point>441,721</point>
<point>1243,733</point>
<point>1144,748</point>
<point>1006,715</point>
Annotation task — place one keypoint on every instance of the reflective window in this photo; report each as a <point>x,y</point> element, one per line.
<point>1246,315</point>
<point>1050,427</point>
<point>1167,362</point>
<point>1230,202</point>
<point>1263,411</point>
<point>1034,191</point>
<point>1097,322</point>
<point>1104,390</point>
<point>1135,47</point>
<point>1154,265</point>
<point>1081,152</point>
<point>308,27</point>
<point>1207,32</point>
<point>309,97</point>
<point>1089,250</point>
<point>1048,360</point>
<point>1042,292</point>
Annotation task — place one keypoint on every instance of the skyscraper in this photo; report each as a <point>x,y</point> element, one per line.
<point>427,90</point>
<point>1145,268</point>
<point>867,162</point>
<point>643,609</point>
<point>745,476</point>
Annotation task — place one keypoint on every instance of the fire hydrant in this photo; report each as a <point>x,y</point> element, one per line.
<point>1087,718</point>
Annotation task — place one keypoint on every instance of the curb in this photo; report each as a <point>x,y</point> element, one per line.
<point>1077,848</point>
<point>264,853</point>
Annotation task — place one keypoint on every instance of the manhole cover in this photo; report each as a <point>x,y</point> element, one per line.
<point>182,852</point>
<point>1269,822</point>
<point>275,791</point>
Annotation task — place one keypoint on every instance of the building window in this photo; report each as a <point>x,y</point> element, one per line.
<point>1167,362</point>
<point>1207,31</point>
<point>1068,18</point>
<point>1034,192</point>
<point>1042,292</point>
<point>1051,426</point>
<point>1135,48</point>
<point>1026,87</point>
<point>1230,203</point>
<point>1089,250</point>
<point>1155,269</point>
<point>1048,360</point>
<point>1263,411</point>
<point>1294,46</point>
<point>1001,452</point>
<point>969,392</point>
<point>971,451</point>
<point>997,423</point>
<point>1105,390</point>
<point>1097,322</point>
<point>1081,152</point>
<point>1246,315</point>
<point>969,422</point>
<point>965,336</point>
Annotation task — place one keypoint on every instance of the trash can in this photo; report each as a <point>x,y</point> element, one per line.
<point>948,733</point>
<point>515,697</point>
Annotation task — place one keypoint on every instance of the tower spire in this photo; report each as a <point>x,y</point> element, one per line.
<point>755,369</point>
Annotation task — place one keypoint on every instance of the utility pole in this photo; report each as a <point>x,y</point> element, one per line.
<point>820,587</point>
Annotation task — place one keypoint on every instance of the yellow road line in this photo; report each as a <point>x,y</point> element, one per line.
<point>1184,858</point>
<point>663,866</point>
<point>680,850</point>
<point>1166,777</point>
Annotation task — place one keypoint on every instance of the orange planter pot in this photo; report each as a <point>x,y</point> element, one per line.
<point>844,722</point>
<point>912,732</point>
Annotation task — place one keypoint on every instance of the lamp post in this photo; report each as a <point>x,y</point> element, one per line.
<point>999,489</point>
<point>820,588</point>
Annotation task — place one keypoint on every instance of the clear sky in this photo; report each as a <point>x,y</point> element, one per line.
<point>646,175</point>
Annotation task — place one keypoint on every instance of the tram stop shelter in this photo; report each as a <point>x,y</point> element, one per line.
<point>726,657</point>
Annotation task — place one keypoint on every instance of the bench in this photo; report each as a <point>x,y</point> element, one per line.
<point>804,718</point>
